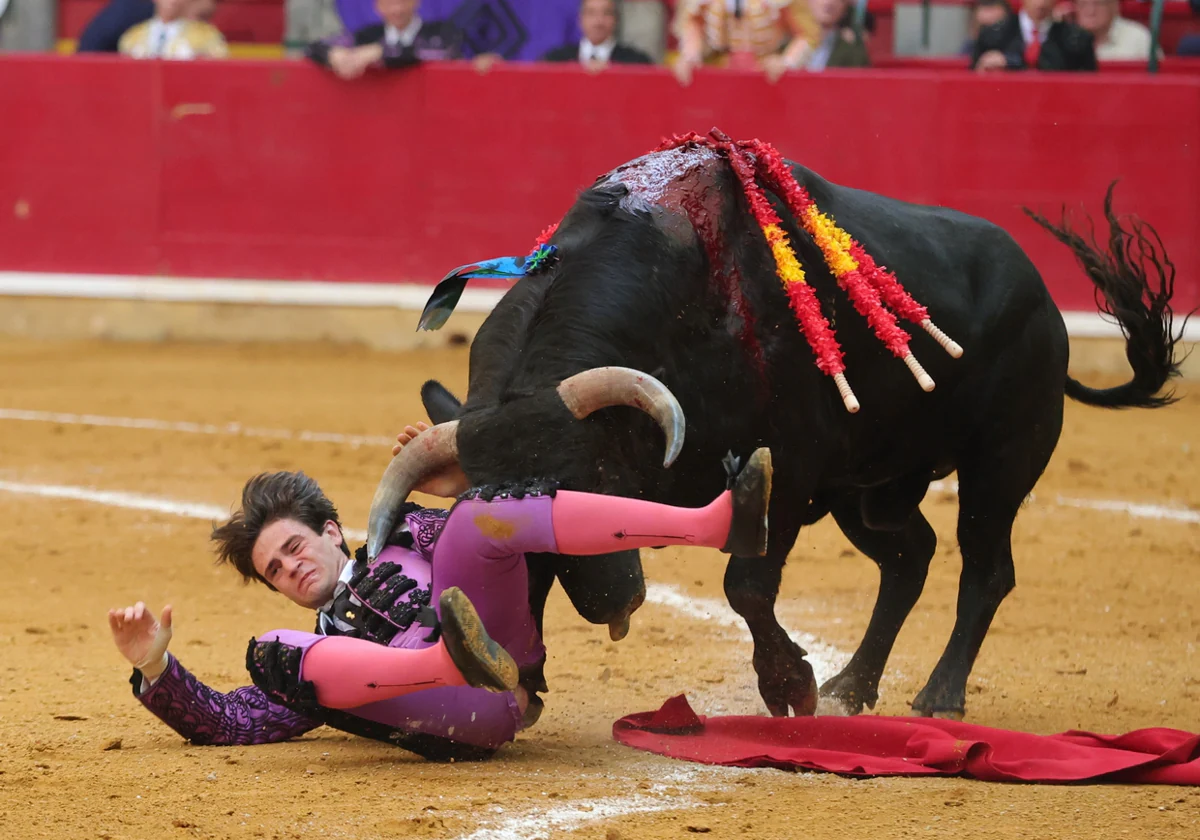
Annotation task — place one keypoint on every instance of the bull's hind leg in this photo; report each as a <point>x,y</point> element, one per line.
<point>993,483</point>
<point>903,557</point>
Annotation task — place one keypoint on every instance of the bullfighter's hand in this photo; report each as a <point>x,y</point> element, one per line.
<point>447,482</point>
<point>406,437</point>
<point>141,638</point>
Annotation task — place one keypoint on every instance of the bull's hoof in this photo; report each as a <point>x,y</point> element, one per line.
<point>946,705</point>
<point>834,707</point>
<point>618,629</point>
<point>533,711</point>
<point>846,692</point>
<point>786,682</point>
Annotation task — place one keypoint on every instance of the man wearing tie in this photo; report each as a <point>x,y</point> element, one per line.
<point>401,39</point>
<point>598,48</point>
<point>1040,37</point>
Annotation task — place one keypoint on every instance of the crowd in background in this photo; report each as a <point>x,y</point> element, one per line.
<point>771,36</point>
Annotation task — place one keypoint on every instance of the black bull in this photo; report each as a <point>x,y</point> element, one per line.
<point>636,286</point>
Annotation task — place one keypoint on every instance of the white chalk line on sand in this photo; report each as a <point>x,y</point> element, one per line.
<point>662,795</point>
<point>231,429</point>
<point>825,659</point>
<point>574,815</point>
<point>1140,510</point>
<point>132,501</point>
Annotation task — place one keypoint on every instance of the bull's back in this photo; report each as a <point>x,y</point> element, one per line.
<point>973,277</point>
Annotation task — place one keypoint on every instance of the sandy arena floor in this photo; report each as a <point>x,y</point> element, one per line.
<point>1101,633</point>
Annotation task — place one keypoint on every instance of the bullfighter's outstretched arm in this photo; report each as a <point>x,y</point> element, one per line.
<point>197,712</point>
<point>206,716</point>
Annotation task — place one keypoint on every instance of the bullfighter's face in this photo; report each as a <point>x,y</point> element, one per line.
<point>299,562</point>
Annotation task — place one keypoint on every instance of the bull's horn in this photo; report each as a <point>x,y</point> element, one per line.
<point>428,452</point>
<point>602,387</point>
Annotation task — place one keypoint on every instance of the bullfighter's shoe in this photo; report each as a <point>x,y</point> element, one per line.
<point>751,497</point>
<point>483,663</point>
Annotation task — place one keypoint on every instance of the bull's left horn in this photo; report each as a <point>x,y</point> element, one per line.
<point>602,387</point>
<point>430,451</point>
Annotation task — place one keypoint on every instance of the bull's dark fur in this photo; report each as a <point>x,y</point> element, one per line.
<point>633,288</point>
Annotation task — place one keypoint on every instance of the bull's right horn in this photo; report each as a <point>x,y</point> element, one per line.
<point>430,451</point>
<point>592,390</point>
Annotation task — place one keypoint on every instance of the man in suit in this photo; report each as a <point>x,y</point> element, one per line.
<point>104,31</point>
<point>402,39</point>
<point>1038,37</point>
<point>598,47</point>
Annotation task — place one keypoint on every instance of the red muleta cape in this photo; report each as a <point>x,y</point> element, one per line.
<point>903,746</point>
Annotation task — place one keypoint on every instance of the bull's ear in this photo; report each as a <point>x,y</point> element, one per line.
<point>440,404</point>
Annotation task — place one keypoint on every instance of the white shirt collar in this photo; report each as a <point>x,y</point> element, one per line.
<point>161,36</point>
<point>1028,27</point>
<point>596,52</point>
<point>324,620</point>
<point>405,36</point>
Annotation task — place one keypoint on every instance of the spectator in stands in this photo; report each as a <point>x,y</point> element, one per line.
<point>402,39</point>
<point>103,32</point>
<point>174,34</point>
<point>985,13</point>
<point>203,10</point>
<point>1189,45</point>
<point>598,47</point>
<point>1117,38</point>
<point>1039,37</point>
<point>841,45</point>
<point>744,34</point>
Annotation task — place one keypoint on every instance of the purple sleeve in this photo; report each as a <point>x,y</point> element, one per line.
<point>207,717</point>
<point>425,525</point>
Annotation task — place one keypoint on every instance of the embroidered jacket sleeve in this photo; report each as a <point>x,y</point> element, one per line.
<point>205,716</point>
<point>424,526</point>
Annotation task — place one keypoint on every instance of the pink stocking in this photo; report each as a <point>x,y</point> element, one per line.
<point>353,672</point>
<point>587,523</point>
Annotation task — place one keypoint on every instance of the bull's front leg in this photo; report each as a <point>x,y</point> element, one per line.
<point>785,678</point>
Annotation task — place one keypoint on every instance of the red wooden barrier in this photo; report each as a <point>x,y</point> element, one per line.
<point>276,170</point>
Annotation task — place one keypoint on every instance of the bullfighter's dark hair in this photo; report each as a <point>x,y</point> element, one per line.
<point>267,498</point>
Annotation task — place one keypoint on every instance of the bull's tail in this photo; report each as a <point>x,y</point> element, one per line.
<point>1134,282</point>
